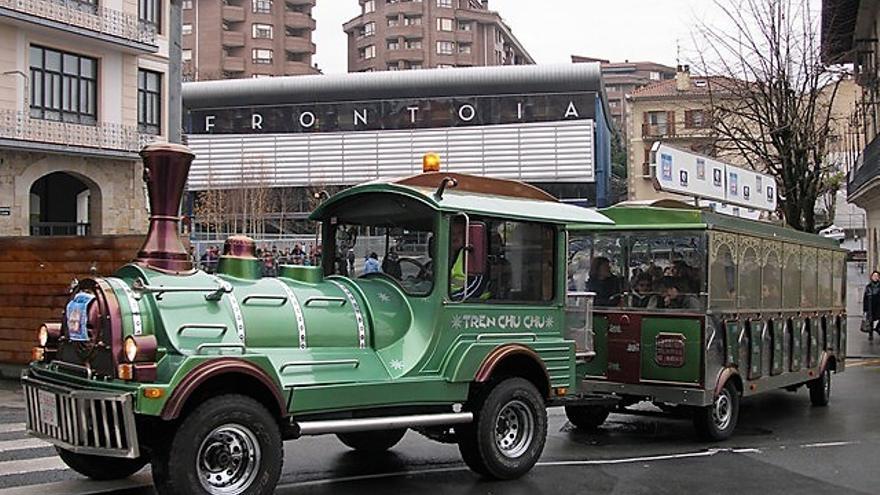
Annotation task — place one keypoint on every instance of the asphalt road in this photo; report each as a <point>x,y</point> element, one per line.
<point>782,445</point>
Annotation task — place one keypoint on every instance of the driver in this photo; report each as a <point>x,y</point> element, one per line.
<point>461,286</point>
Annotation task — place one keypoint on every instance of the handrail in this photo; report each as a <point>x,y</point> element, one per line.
<point>487,336</point>
<point>267,297</point>
<point>207,326</point>
<point>325,362</point>
<point>214,293</point>
<point>325,299</point>
<point>74,367</point>
<point>221,346</point>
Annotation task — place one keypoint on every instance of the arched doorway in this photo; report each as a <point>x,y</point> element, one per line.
<point>62,203</point>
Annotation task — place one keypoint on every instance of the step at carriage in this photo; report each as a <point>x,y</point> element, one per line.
<point>465,333</point>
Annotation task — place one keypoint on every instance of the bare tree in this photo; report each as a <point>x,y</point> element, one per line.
<point>778,96</point>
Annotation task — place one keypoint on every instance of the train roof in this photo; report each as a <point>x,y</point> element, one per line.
<point>686,217</point>
<point>474,195</point>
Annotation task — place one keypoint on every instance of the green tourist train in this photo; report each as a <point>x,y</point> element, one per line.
<point>493,302</point>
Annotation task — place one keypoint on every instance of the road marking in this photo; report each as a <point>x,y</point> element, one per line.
<point>27,466</point>
<point>82,486</point>
<point>826,444</point>
<point>11,427</point>
<point>23,444</point>
<point>864,362</point>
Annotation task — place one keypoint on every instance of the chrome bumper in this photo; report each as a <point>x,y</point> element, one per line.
<point>81,421</point>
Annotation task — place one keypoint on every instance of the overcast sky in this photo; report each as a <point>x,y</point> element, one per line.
<point>617,30</point>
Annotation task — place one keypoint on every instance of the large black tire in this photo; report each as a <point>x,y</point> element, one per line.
<point>717,421</point>
<point>509,429</point>
<point>101,468</point>
<point>820,389</point>
<point>586,417</point>
<point>373,442</point>
<point>229,439</point>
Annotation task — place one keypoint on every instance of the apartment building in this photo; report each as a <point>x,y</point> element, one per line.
<point>675,111</point>
<point>83,86</point>
<point>234,39</point>
<point>621,79</point>
<point>420,34</point>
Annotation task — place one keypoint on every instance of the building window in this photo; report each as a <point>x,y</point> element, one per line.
<point>367,52</point>
<point>393,45</point>
<point>149,12</point>
<point>262,31</point>
<point>393,22</point>
<point>445,47</point>
<point>262,55</point>
<point>444,24</point>
<point>464,48</point>
<point>415,66</point>
<point>368,29</point>
<point>445,66</point>
<point>654,76</point>
<point>695,119</point>
<point>369,6</point>
<point>187,5</point>
<point>464,26</point>
<point>64,86</point>
<point>393,67</point>
<point>412,21</point>
<point>413,44</point>
<point>186,29</point>
<point>149,101</point>
<point>262,6</point>
<point>186,55</point>
<point>446,4</point>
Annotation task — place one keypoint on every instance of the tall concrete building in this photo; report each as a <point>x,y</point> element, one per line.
<point>233,39</point>
<point>622,79</point>
<point>83,87</point>
<point>421,34</point>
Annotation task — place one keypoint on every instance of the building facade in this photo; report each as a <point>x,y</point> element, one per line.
<point>622,79</point>
<point>850,30</point>
<point>83,86</point>
<point>234,39</point>
<point>289,138</point>
<point>674,111</point>
<point>421,34</point>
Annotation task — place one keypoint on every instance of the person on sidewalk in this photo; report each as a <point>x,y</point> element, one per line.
<point>871,304</point>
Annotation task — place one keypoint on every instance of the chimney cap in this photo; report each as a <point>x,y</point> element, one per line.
<point>177,148</point>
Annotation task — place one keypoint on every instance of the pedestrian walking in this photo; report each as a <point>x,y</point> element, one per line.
<point>871,305</point>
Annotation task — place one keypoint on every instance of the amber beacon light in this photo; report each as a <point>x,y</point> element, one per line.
<point>431,162</point>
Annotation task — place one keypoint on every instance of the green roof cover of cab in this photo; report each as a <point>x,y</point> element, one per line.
<point>475,202</point>
<point>628,217</point>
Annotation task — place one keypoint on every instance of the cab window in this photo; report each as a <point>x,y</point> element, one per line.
<point>596,264</point>
<point>666,271</point>
<point>520,264</point>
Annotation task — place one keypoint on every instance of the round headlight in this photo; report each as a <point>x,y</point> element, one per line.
<point>130,349</point>
<point>43,335</point>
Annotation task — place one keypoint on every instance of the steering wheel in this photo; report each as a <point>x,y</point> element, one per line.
<point>423,271</point>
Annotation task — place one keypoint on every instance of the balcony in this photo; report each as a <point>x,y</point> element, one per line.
<point>675,130</point>
<point>412,55</point>
<point>18,130</point>
<point>233,13</point>
<point>232,38</point>
<point>233,64</point>
<point>298,20</point>
<point>412,31</point>
<point>118,28</point>
<point>404,7</point>
<point>292,68</point>
<point>301,2</point>
<point>865,174</point>
<point>298,45</point>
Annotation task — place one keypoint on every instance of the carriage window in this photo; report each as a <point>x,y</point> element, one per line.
<point>791,276</point>
<point>839,281</point>
<point>825,279</point>
<point>771,276</point>
<point>722,271</point>
<point>809,283</point>
<point>749,273</point>
<point>596,265</point>
<point>666,271</point>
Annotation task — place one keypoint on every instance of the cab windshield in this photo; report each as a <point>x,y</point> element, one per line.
<point>384,236</point>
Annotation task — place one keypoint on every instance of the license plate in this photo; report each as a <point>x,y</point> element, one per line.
<point>48,408</point>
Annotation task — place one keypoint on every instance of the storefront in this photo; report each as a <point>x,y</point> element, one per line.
<point>291,136</point>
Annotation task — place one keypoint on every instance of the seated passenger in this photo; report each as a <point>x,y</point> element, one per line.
<point>391,265</point>
<point>641,291</point>
<point>605,284</point>
<point>371,265</point>
<point>672,296</point>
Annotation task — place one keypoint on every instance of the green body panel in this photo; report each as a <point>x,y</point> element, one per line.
<point>778,360</point>
<point>797,347</point>
<point>691,329</point>
<point>243,268</point>
<point>756,351</point>
<point>731,342</point>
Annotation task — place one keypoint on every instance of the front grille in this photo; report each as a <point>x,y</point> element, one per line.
<point>82,421</point>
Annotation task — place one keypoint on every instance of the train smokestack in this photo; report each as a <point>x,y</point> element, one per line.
<point>166,167</point>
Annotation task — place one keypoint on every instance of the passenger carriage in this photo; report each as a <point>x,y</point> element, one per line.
<point>757,307</point>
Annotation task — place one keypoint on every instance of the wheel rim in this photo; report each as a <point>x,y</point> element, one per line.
<point>722,411</point>
<point>228,460</point>
<point>514,429</point>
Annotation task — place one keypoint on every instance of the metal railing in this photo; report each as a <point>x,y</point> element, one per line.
<point>103,135</point>
<point>94,18</point>
<point>579,323</point>
<point>675,129</point>
<point>60,228</point>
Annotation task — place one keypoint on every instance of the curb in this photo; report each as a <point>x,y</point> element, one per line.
<point>10,371</point>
